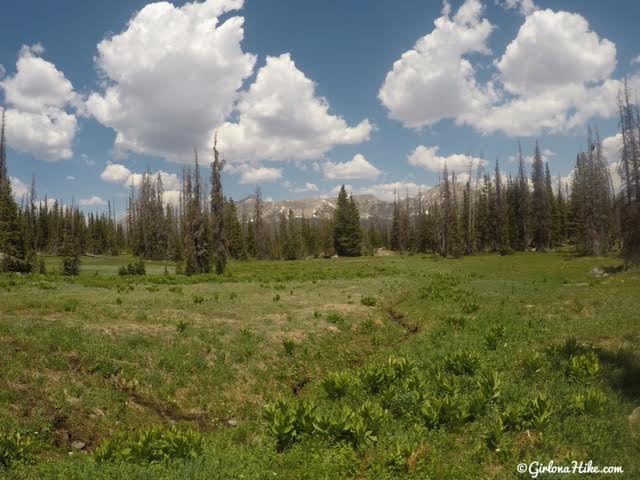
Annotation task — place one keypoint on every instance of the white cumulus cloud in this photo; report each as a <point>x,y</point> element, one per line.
<point>357,168</point>
<point>171,77</point>
<point>94,201</point>
<point>308,187</point>
<point>38,97</point>
<point>118,173</point>
<point>258,175</point>
<point>554,76</point>
<point>281,118</point>
<point>428,158</point>
<point>435,80</point>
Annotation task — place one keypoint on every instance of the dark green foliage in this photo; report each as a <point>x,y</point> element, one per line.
<point>154,445</point>
<point>337,384</point>
<point>368,301</point>
<point>219,239</point>
<point>133,268</point>
<point>529,413</point>
<point>289,346</point>
<point>347,233</point>
<point>14,448</point>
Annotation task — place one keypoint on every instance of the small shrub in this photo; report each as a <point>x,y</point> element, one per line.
<point>470,307</point>
<point>462,363</point>
<point>368,301</point>
<point>176,289</point>
<point>446,411</point>
<point>289,346</point>
<point>181,327</point>
<point>118,301</point>
<point>106,368</point>
<point>276,297</point>
<point>494,337</point>
<point>136,267</point>
<point>590,402</point>
<point>154,445</point>
<point>233,296</point>
<point>198,299</point>
<point>71,266</point>
<point>70,305</point>
<point>9,263</point>
<point>338,384</point>
<point>335,318</point>
<point>531,413</point>
<point>14,448</point>
<point>288,421</point>
<point>533,363</point>
<point>584,367</point>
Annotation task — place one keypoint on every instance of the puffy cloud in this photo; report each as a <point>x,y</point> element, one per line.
<point>525,7</point>
<point>281,118</point>
<point>636,60</point>
<point>171,77</point>
<point>115,173</point>
<point>308,187</point>
<point>118,173</point>
<point>94,201</point>
<point>554,76</point>
<point>434,80</point>
<point>356,168</point>
<point>37,95</point>
<point>18,188</point>
<point>70,178</point>
<point>554,49</point>
<point>257,175</point>
<point>611,147</point>
<point>428,158</point>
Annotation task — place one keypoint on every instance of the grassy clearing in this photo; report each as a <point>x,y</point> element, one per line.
<point>397,367</point>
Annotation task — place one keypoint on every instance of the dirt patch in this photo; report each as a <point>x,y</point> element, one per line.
<point>346,308</point>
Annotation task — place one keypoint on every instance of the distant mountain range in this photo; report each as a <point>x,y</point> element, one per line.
<point>370,206</point>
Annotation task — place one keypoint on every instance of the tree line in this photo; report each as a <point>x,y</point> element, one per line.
<point>487,212</point>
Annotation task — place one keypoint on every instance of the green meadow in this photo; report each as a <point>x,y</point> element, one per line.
<point>380,368</point>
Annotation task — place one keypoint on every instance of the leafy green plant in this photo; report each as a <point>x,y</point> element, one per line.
<point>181,326</point>
<point>106,368</point>
<point>335,318</point>
<point>445,411</point>
<point>494,336</point>
<point>288,421</point>
<point>378,377</point>
<point>585,367</point>
<point>533,363</point>
<point>590,402</point>
<point>530,413</point>
<point>154,445</point>
<point>137,267</point>
<point>470,306</point>
<point>198,299</point>
<point>462,363</point>
<point>368,301</point>
<point>14,448</point>
<point>70,305</point>
<point>176,289</point>
<point>337,384</point>
<point>289,346</point>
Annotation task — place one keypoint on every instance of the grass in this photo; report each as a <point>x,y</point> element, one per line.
<point>391,367</point>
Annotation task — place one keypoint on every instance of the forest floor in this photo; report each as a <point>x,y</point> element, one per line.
<point>388,367</point>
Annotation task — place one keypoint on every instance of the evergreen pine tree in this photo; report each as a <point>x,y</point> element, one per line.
<point>347,233</point>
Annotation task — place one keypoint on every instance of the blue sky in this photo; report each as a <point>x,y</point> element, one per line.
<point>476,85</point>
